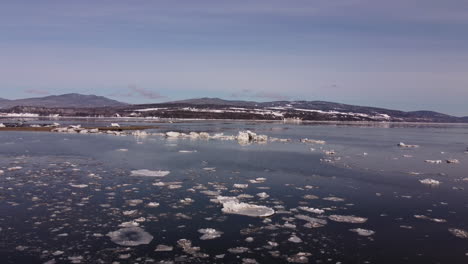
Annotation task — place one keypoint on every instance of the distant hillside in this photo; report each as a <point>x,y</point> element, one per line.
<point>72,100</point>
<point>215,108</point>
<point>212,101</point>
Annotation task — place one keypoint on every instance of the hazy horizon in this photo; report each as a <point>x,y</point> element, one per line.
<point>405,55</point>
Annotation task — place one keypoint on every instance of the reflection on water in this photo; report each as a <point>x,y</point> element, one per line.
<point>358,198</point>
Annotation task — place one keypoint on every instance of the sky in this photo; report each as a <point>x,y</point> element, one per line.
<point>399,54</point>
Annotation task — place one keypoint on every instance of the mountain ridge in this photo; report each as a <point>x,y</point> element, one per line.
<point>217,108</point>
<point>73,100</point>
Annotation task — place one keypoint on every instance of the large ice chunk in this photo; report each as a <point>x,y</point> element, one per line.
<point>209,233</point>
<point>347,219</point>
<point>232,207</point>
<point>150,173</point>
<point>130,236</point>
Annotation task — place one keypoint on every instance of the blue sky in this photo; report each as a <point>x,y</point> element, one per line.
<point>403,54</point>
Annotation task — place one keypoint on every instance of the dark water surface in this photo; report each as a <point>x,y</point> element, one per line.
<point>73,189</point>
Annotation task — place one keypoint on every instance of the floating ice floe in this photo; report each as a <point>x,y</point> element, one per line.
<point>294,239</point>
<point>263,195</point>
<point>187,247</point>
<point>436,220</point>
<point>452,161</point>
<point>301,257</point>
<point>15,168</point>
<point>311,210</point>
<point>249,261</point>
<point>257,180</point>
<point>209,233</point>
<point>130,212</point>
<point>2,125</point>
<point>313,141</point>
<point>134,202</point>
<point>79,185</point>
<point>172,134</point>
<point>333,199</point>
<point>362,232</point>
<point>163,248</point>
<point>240,186</point>
<point>187,151</point>
<point>115,125</point>
<point>225,199</point>
<point>122,150</point>
<point>403,145</point>
<point>249,239</point>
<point>187,201</point>
<point>347,219</point>
<point>460,233</point>
<point>232,207</point>
<point>130,236</point>
<point>312,221</point>
<point>238,250</point>
<point>282,140</point>
<point>310,197</point>
<point>433,161</point>
<point>150,173</point>
<point>431,182</point>
<point>245,137</point>
<point>75,259</point>
<point>152,204</point>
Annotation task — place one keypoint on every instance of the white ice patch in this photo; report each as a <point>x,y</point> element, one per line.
<point>130,236</point>
<point>460,233</point>
<point>122,150</point>
<point>241,186</point>
<point>313,141</point>
<point>295,239</point>
<point>238,250</point>
<point>312,221</point>
<point>246,209</point>
<point>153,204</point>
<point>347,219</point>
<point>150,173</point>
<point>435,220</point>
<point>333,199</point>
<point>311,210</point>
<point>163,248</point>
<point>172,134</point>
<point>363,232</point>
<point>209,233</point>
<point>433,161</point>
<point>403,145</point>
<point>226,199</point>
<point>79,185</point>
<point>430,182</point>
<point>187,151</point>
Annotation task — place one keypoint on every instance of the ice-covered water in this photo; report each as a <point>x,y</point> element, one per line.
<point>358,197</point>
